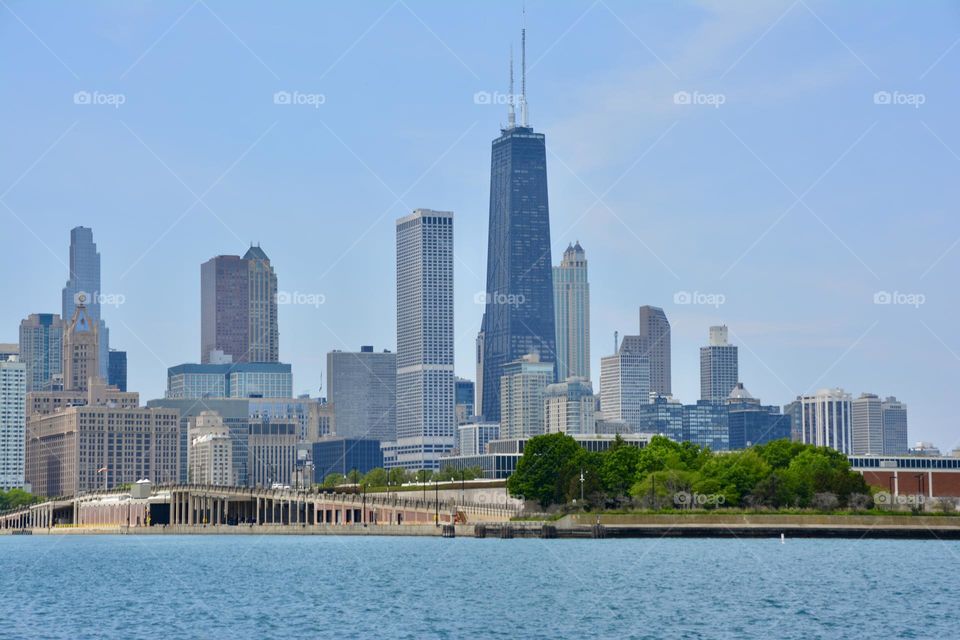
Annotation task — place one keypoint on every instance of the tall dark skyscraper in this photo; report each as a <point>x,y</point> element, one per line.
<point>518,318</point>
<point>238,308</point>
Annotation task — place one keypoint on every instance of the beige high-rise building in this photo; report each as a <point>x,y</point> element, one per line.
<point>522,386</point>
<point>570,407</point>
<point>81,349</point>
<point>98,446</point>
<point>210,455</point>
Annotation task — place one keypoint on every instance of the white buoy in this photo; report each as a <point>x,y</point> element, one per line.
<point>783,539</point>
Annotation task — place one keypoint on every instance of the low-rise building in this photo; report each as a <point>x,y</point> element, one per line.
<point>343,455</point>
<point>100,446</point>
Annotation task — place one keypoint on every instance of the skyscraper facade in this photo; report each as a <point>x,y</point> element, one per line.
<point>13,422</point>
<point>81,349</point>
<point>825,419</point>
<point>719,367</point>
<point>41,349</point>
<point>84,279</point>
<point>117,369</point>
<point>570,407</point>
<point>523,383</point>
<point>238,308</point>
<point>426,422</point>
<point>571,302</point>
<point>463,397</point>
<point>362,387</point>
<point>624,385</point>
<point>519,317</point>
<point>894,415</point>
<point>653,341</point>
<point>866,425</point>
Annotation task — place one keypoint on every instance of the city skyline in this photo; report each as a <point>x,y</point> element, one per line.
<point>786,350</point>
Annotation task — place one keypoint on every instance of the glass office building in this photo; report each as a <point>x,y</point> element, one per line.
<point>519,316</point>
<point>239,380</point>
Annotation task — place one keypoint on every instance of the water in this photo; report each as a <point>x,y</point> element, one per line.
<point>331,586</point>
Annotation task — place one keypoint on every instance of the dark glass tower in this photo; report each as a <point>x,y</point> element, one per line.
<point>518,318</point>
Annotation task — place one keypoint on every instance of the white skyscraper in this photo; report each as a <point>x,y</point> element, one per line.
<point>866,425</point>
<point>719,367</point>
<point>426,420</point>
<point>571,304</point>
<point>13,402</point>
<point>825,420</point>
<point>624,385</point>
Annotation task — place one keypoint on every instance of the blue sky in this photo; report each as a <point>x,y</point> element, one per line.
<point>794,201</point>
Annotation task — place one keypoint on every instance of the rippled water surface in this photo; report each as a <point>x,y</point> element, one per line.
<point>377,587</point>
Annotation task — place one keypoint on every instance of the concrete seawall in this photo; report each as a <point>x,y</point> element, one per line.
<point>586,526</point>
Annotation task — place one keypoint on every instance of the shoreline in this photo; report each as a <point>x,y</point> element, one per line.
<point>585,526</point>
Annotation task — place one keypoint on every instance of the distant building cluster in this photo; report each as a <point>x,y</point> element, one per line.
<point>68,423</point>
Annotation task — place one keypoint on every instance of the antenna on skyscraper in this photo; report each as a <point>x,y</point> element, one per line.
<point>616,340</point>
<point>511,115</point>
<point>523,68</point>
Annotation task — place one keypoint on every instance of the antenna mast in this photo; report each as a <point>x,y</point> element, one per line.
<point>511,114</point>
<point>523,69</point>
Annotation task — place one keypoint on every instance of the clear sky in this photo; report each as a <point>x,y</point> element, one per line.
<point>786,187</point>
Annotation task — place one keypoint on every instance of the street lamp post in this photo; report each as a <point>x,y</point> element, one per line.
<point>436,503</point>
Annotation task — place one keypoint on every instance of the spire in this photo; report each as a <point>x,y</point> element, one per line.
<point>511,115</point>
<point>523,69</point>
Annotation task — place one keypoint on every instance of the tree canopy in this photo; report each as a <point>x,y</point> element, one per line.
<point>554,469</point>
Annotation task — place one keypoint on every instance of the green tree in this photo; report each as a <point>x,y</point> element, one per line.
<point>333,480</point>
<point>397,476</point>
<point>376,477</point>
<point>15,498</point>
<point>354,476</point>
<point>664,489</point>
<point>423,475</point>
<point>618,468</point>
<point>543,472</point>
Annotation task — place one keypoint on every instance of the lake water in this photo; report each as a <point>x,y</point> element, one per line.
<point>378,587</point>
